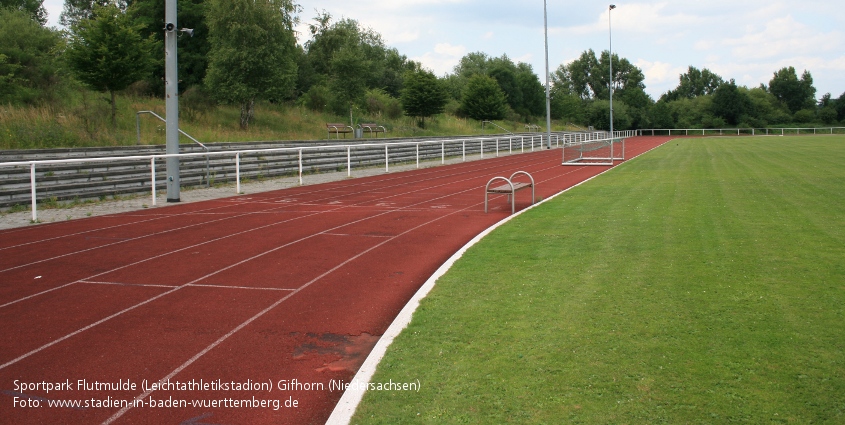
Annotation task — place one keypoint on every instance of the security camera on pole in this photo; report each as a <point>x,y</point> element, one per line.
<point>171,93</point>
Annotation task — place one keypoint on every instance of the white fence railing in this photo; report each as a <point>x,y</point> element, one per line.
<point>515,142</point>
<point>739,131</point>
<point>580,137</point>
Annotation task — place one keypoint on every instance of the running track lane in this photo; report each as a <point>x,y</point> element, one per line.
<point>295,284</point>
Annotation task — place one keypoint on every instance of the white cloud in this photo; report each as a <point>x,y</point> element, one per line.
<point>782,36</point>
<point>660,77</point>
<point>638,18</point>
<point>526,58</point>
<point>443,59</point>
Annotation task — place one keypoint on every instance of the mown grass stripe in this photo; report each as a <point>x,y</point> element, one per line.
<point>702,283</point>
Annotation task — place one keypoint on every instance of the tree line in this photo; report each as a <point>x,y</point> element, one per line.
<point>244,51</point>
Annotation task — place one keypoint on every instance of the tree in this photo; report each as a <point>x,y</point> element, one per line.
<point>29,67</point>
<point>661,115</point>
<point>827,114</point>
<point>33,8</point>
<point>483,99</point>
<point>533,91</point>
<point>840,107</point>
<point>589,76</point>
<point>76,11</point>
<point>794,93</point>
<point>107,53</point>
<point>695,83</point>
<point>566,106</point>
<point>598,115</point>
<point>253,52</point>
<point>193,51</point>
<point>348,60</point>
<point>730,104</point>
<point>766,108</point>
<point>423,95</point>
<point>506,78</point>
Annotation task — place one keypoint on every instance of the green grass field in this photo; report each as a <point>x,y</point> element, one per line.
<point>703,282</point>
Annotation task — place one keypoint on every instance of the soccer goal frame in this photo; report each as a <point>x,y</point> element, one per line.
<point>594,152</point>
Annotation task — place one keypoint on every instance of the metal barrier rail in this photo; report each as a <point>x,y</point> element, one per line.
<point>511,140</point>
<point>576,138</point>
<point>138,142</point>
<point>752,131</point>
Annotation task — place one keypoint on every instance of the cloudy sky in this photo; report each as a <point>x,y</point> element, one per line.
<point>747,40</point>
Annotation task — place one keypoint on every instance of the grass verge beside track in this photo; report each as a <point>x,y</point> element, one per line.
<point>701,283</point>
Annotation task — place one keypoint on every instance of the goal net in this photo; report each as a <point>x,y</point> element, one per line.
<point>594,152</point>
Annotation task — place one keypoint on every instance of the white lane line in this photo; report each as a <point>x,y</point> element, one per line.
<point>351,398</point>
<point>239,233</point>
<point>214,221</point>
<point>241,287</point>
<point>56,341</point>
<point>219,341</point>
<point>45,346</point>
<point>157,217</point>
<point>127,284</point>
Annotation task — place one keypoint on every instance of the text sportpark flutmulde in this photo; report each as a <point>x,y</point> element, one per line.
<point>69,393</point>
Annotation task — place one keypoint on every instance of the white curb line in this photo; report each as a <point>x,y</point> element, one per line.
<point>345,408</point>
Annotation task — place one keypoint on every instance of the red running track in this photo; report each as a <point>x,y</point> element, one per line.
<point>233,310</point>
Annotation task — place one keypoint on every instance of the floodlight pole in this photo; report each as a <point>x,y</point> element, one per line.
<point>171,92</point>
<point>610,83</point>
<point>548,96</point>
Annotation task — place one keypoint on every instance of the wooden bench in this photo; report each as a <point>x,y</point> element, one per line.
<point>372,128</point>
<point>337,129</point>
<point>509,188</point>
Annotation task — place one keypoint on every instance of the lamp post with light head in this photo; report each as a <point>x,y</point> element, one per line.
<point>610,83</point>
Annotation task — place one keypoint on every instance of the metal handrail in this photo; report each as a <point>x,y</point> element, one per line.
<point>496,125</point>
<point>138,132</point>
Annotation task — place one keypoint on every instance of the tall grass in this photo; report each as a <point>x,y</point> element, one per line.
<point>82,119</point>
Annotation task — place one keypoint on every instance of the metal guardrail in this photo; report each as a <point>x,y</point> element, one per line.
<point>495,125</point>
<point>738,131</point>
<point>581,137</point>
<point>138,132</point>
<point>518,140</point>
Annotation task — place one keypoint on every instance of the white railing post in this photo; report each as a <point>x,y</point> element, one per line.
<point>482,148</point>
<point>300,167</point>
<point>418,155</point>
<point>497,147</point>
<point>153,178</point>
<point>238,173</point>
<point>464,150</point>
<point>442,153</point>
<point>349,161</point>
<point>32,184</point>
<point>386,160</point>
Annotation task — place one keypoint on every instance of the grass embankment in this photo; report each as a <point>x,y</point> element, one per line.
<point>83,119</point>
<point>703,282</point>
